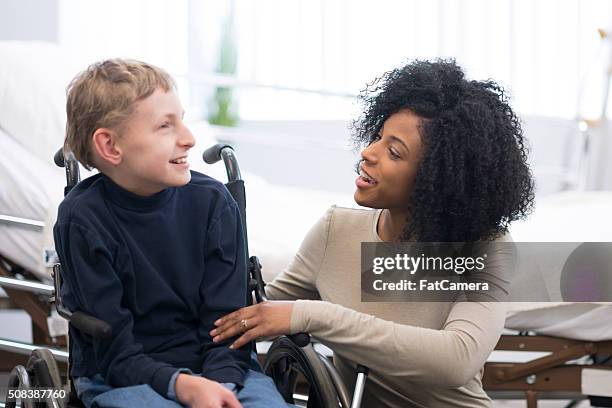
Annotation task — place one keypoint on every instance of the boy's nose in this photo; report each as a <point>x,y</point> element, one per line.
<point>186,139</point>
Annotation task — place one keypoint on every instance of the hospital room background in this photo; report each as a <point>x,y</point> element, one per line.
<point>279,80</point>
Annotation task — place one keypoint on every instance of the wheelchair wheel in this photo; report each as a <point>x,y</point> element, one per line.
<point>44,366</point>
<point>285,360</point>
<point>45,372</point>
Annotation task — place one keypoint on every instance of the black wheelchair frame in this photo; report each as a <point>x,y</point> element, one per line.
<point>288,357</point>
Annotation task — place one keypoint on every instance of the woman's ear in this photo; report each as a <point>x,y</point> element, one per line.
<point>105,146</point>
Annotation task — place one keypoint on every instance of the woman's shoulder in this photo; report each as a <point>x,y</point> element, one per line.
<point>349,214</point>
<point>351,221</point>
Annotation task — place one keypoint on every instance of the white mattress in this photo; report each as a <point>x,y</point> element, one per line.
<point>578,321</point>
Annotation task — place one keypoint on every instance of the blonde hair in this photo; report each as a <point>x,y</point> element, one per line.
<point>103,96</point>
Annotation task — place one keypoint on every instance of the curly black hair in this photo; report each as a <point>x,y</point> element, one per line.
<point>473,180</point>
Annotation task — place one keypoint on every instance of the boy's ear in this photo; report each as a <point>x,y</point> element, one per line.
<point>104,141</point>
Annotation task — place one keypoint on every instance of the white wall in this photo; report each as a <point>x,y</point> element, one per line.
<point>26,20</point>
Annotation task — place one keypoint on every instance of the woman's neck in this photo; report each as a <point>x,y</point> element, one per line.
<point>391,225</point>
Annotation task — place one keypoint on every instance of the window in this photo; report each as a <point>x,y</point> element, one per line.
<point>315,55</point>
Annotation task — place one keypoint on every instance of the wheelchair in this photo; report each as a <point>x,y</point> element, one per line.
<point>291,361</point>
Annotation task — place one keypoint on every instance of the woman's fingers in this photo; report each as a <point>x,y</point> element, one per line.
<point>231,319</point>
<point>245,338</point>
<point>234,329</point>
<point>264,319</point>
<point>228,324</point>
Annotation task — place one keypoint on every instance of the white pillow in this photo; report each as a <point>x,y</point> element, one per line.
<point>33,80</point>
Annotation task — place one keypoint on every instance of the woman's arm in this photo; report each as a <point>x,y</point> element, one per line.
<point>448,357</point>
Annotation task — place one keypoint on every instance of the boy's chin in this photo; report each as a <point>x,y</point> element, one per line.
<point>181,181</point>
<point>177,180</point>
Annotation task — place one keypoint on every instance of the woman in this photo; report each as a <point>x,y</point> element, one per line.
<point>444,161</point>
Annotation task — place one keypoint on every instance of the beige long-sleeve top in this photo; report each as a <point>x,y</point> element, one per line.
<point>420,354</point>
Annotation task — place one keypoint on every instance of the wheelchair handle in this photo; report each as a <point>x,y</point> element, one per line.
<point>226,152</point>
<point>71,164</point>
<point>58,157</point>
<point>213,153</point>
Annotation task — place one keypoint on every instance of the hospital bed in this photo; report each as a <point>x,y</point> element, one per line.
<point>557,350</point>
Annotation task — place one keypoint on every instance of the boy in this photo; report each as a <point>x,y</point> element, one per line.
<point>151,248</point>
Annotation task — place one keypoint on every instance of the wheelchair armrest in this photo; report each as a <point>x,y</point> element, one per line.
<point>96,328</point>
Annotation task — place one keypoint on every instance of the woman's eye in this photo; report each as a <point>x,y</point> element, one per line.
<point>393,154</point>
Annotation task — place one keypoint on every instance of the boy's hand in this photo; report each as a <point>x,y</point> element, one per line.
<point>198,392</point>
<point>270,318</point>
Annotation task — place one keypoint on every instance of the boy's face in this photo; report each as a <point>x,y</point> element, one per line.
<point>154,146</point>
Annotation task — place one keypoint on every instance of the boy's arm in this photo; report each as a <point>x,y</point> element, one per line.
<point>223,290</point>
<point>91,285</point>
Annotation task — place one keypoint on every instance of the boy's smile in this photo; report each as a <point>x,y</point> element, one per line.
<point>153,145</point>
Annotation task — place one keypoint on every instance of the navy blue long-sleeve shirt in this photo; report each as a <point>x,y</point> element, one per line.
<point>160,270</point>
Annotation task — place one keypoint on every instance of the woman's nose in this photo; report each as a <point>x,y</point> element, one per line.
<point>369,154</point>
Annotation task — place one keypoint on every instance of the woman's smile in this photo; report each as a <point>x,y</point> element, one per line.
<point>364,180</point>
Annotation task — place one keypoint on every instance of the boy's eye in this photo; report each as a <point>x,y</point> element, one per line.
<point>165,125</point>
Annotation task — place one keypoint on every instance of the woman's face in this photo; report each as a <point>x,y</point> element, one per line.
<point>390,163</point>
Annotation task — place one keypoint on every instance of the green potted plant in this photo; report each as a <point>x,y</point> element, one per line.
<point>223,106</point>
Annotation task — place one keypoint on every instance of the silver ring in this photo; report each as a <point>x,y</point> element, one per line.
<point>243,323</point>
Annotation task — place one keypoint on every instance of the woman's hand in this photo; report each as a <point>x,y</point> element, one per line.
<point>270,318</point>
